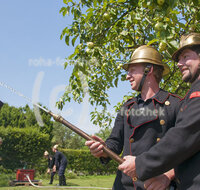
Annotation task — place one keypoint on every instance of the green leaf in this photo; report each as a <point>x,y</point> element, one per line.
<point>152,41</point>
<point>116,82</point>
<point>121,1</point>
<point>67,39</point>
<point>74,40</point>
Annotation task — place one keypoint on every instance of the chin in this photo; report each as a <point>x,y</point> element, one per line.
<point>186,78</point>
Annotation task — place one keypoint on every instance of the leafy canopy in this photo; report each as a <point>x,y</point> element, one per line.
<point>105,32</point>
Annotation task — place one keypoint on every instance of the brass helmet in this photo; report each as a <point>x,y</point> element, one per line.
<point>186,41</point>
<point>147,54</point>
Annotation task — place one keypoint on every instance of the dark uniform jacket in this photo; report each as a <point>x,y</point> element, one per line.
<point>51,161</point>
<point>60,159</point>
<point>138,126</point>
<point>180,148</point>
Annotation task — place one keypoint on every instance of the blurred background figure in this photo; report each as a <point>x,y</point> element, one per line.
<point>51,162</point>
<point>60,165</point>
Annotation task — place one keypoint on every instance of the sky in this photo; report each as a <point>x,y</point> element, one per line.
<point>32,57</point>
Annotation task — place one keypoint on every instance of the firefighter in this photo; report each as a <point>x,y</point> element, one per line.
<point>60,165</point>
<point>143,120</point>
<point>179,148</point>
<point>51,163</point>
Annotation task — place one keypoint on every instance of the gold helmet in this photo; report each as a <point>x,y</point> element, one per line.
<point>147,54</point>
<point>186,41</point>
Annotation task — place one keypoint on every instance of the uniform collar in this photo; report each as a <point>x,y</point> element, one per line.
<point>160,97</point>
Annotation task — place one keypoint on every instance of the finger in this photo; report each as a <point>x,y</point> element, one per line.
<point>147,183</point>
<point>97,154</point>
<point>89,143</point>
<point>152,187</point>
<point>98,139</point>
<point>121,166</point>
<point>149,188</point>
<point>96,145</point>
<point>96,148</point>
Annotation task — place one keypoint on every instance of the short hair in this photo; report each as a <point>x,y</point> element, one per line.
<point>55,147</point>
<point>157,71</point>
<point>46,153</point>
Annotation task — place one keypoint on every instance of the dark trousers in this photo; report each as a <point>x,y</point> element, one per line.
<point>62,168</point>
<point>61,173</point>
<point>52,176</point>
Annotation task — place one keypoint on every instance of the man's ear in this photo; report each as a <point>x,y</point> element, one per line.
<point>151,70</point>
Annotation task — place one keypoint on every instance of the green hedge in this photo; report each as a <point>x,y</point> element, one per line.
<point>81,161</point>
<point>22,147</point>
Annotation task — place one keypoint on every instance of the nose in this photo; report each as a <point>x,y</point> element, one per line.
<point>180,63</point>
<point>128,76</point>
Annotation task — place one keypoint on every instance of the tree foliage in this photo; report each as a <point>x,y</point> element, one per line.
<point>24,117</point>
<point>66,138</point>
<point>105,32</point>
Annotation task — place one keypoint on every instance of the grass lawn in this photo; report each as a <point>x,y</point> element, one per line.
<point>83,181</point>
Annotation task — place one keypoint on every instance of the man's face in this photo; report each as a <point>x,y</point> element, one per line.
<point>188,63</point>
<point>134,75</point>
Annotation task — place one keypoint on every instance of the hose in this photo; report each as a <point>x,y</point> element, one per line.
<point>70,187</point>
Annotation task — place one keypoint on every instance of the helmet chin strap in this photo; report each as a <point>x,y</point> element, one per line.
<point>146,71</point>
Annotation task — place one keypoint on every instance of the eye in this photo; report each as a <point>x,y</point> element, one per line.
<point>130,70</point>
<point>185,56</point>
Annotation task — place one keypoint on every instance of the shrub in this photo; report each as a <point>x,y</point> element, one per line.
<point>22,147</point>
<point>81,161</point>
<point>5,176</point>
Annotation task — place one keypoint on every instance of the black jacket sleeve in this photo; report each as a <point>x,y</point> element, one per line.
<point>178,144</point>
<point>116,139</point>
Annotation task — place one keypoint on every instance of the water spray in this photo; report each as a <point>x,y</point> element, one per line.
<point>60,119</point>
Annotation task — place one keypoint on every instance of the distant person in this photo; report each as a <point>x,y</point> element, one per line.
<point>60,165</point>
<point>51,163</point>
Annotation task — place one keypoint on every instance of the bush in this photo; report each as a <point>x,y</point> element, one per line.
<point>5,176</point>
<point>82,162</point>
<point>22,147</point>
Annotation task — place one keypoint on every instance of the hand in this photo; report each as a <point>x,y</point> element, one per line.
<point>54,168</point>
<point>48,171</point>
<point>128,166</point>
<point>96,146</point>
<point>160,182</point>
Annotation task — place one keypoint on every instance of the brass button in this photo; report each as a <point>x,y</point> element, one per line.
<point>131,140</point>
<point>167,103</point>
<point>162,122</point>
<point>135,179</point>
<point>158,139</point>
